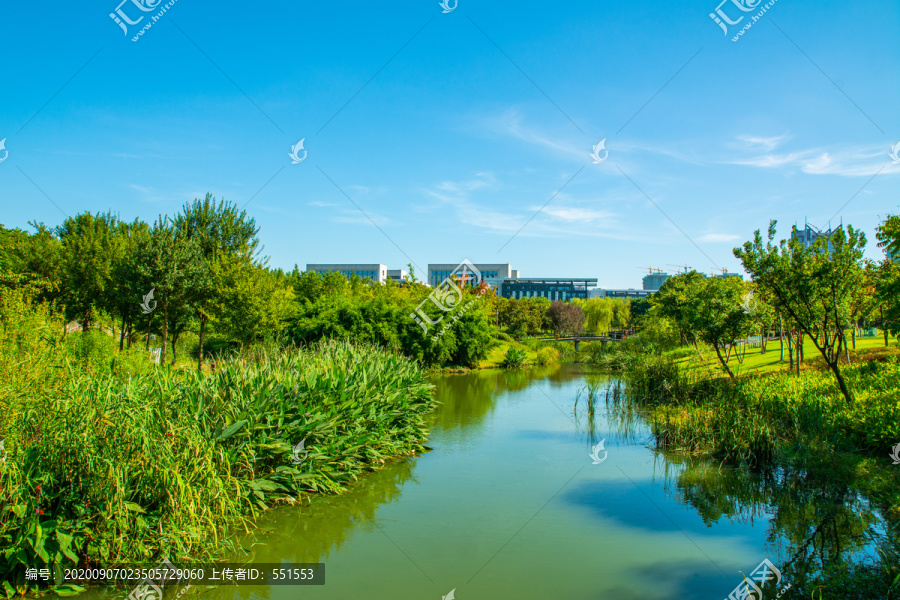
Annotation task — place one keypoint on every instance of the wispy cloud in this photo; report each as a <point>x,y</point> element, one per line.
<point>510,124</point>
<point>845,162</point>
<point>767,143</point>
<point>319,203</point>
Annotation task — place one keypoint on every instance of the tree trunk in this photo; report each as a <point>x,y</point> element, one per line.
<point>790,340</point>
<point>202,331</point>
<point>149,322</point>
<point>799,350</point>
<point>853,336</point>
<point>723,361</point>
<point>884,328</point>
<point>174,352</point>
<point>122,335</point>
<point>841,383</point>
<point>781,338</point>
<point>130,334</point>
<point>165,334</point>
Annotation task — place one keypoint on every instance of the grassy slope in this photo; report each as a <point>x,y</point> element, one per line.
<point>756,362</point>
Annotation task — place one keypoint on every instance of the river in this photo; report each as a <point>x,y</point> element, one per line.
<point>511,505</point>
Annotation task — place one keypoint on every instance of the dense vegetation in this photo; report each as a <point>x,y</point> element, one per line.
<point>109,459</point>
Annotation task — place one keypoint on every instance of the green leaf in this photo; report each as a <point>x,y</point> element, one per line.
<point>134,507</point>
<point>265,485</point>
<point>232,430</point>
<point>68,589</point>
<point>65,543</point>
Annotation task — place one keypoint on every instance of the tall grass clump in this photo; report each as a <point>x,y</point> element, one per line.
<point>114,467</point>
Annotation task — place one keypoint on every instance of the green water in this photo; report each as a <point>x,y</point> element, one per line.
<point>510,505</point>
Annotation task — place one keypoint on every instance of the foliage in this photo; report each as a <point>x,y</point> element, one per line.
<point>812,285</point>
<point>514,359</point>
<point>126,468</point>
<point>547,356</point>
<point>566,317</point>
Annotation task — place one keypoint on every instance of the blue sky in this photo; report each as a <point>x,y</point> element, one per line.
<point>434,137</point>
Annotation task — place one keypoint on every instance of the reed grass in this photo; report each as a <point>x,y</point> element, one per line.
<point>117,467</point>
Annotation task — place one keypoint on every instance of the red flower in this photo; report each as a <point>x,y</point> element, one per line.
<point>38,488</point>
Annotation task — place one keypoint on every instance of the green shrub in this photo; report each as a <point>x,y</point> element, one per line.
<point>514,359</point>
<point>547,356</point>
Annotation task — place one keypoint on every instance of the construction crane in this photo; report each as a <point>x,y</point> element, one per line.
<point>685,267</point>
<point>650,269</point>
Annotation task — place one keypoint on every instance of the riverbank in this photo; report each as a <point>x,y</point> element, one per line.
<point>781,420</point>
<point>110,465</point>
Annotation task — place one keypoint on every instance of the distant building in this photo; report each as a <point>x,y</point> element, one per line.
<point>546,287</point>
<point>629,293</point>
<point>726,275</point>
<point>493,274</point>
<point>810,234</point>
<point>654,281</point>
<point>398,275</point>
<point>377,273</point>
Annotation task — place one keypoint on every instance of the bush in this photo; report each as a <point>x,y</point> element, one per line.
<point>501,335</point>
<point>547,356</point>
<point>514,359</point>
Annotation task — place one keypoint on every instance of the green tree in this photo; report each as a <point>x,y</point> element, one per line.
<point>90,244</point>
<point>222,233</point>
<point>811,285</point>
<point>887,287</point>
<point>169,264</point>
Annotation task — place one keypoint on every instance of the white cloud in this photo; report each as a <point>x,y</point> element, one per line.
<point>845,162</point>
<point>768,143</point>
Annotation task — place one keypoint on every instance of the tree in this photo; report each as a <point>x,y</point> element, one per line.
<point>566,317</point>
<point>717,314</point>
<point>252,303</point>
<point>811,285</point>
<point>124,294</point>
<point>89,248</point>
<point>169,264</point>
<point>222,233</point>
<point>672,302</point>
<point>887,287</point>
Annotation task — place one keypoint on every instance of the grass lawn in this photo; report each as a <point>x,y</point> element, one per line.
<point>756,362</point>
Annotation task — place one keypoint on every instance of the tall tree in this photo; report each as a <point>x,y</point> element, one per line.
<point>813,285</point>
<point>90,244</point>
<point>222,233</point>
<point>171,264</point>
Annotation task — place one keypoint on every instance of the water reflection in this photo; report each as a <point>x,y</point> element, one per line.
<point>815,518</point>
